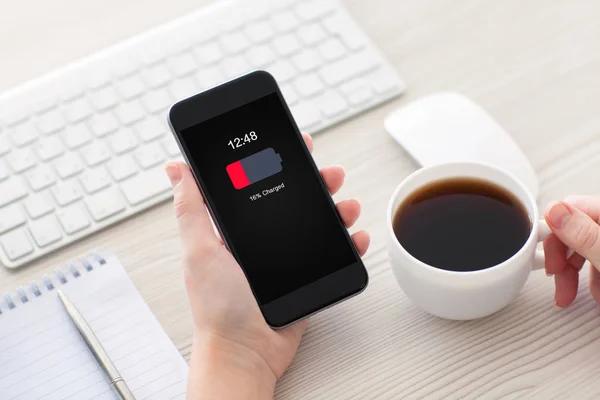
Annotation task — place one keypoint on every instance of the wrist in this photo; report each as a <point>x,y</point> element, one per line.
<point>220,368</point>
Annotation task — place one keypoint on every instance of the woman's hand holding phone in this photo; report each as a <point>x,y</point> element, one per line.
<point>235,353</point>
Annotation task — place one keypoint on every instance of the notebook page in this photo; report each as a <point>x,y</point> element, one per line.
<point>43,356</point>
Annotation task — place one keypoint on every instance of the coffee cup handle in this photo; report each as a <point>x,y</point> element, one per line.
<point>543,232</point>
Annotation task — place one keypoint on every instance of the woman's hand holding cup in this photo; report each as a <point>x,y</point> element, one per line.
<point>574,224</point>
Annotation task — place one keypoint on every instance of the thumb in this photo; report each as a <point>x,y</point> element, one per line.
<point>195,227</point>
<point>575,229</point>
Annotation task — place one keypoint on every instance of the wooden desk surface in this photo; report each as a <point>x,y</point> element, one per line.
<point>534,65</point>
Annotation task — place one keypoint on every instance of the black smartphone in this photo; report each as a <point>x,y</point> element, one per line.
<point>267,198</point>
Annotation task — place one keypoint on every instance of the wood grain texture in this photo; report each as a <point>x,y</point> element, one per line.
<point>532,64</point>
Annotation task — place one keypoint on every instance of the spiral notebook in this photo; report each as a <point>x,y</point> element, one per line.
<point>42,356</point>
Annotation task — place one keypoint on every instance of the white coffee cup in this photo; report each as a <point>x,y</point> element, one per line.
<point>473,294</point>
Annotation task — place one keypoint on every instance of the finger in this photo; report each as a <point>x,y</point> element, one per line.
<point>555,253</point>
<point>193,220</point>
<point>295,331</point>
<point>575,229</point>
<point>576,261</point>
<point>349,211</point>
<point>566,286</point>
<point>308,141</point>
<point>588,204</point>
<point>361,241</point>
<point>595,283</point>
<point>334,178</point>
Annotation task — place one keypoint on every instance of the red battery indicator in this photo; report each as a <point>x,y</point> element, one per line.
<point>254,168</point>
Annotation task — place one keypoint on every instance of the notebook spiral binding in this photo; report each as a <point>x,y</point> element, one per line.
<point>48,282</point>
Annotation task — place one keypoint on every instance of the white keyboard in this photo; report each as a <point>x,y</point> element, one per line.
<point>84,147</point>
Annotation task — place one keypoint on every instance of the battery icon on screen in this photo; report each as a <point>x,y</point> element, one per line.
<point>254,168</point>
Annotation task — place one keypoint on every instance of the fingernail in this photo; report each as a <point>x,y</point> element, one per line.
<point>548,274</point>
<point>559,215</point>
<point>174,173</point>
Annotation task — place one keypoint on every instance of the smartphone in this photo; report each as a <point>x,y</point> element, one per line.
<point>267,198</point>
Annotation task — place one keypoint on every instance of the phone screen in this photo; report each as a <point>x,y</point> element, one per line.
<point>271,205</point>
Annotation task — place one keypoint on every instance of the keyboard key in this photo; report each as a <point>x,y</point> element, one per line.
<point>307,60</point>
<point>68,165</point>
<point>40,177</point>
<point>150,129</point>
<point>73,219</point>
<point>156,76</point>
<point>123,65</point>
<point>354,85</point>
<point>260,56</point>
<point>21,160</point>
<point>183,88</point>
<point>209,77</point>
<point>131,87</point>
<point>78,110</point>
<point>45,100</point>
<point>151,53</point>
<point>360,97</point>
<point>105,204</point>
<point>48,148</point>
<point>38,205</point>
<point>145,186</point>
<point>308,85</point>
<point>232,22</point>
<point>103,124</point>
<point>178,44</point>
<point>182,65</point>
<point>98,77</point>
<point>234,43</point>
<point>286,45</point>
<point>122,167</point>
<point>4,172</point>
<point>259,32</point>
<point>283,71</point>
<point>12,189</point>
<point>71,88</point>
<point>13,113</point>
<point>285,21</point>
<point>156,100</point>
<point>204,32</point>
<point>16,244</point>
<point>306,114</point>
<point>209,53</point>
<point>310,10</point>
<point>332,49</point>
<point>348,68</point>
<point>384,82</point>
<point>311,34</point>
<point>149,155</point>
<point>289,94</point>
<point>45,231</point>
<point>348,32</point>
<point>123,141</point>
<point>95,153</point>
<point>76,136</point>
<point>94,179</point>
<point>104,98</point>
<point>23,134</point>
<point>331,104</point>
<point>235,66</point>
<point>50,122</point>
<point>66,192</point>
<point>4,145</point>
<point>129,113</point>
<point>171,147</point>
<point>11,217</point>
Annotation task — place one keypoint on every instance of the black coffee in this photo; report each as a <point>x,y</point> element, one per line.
<point>462,224</point>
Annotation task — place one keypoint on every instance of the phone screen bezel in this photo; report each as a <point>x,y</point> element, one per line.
<point>308,299</point>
